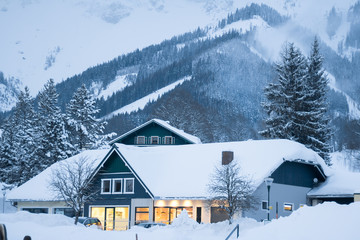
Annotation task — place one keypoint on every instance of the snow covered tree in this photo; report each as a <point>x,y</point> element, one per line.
<point>85,129</point>
<point>231,191</point>
<point>55,143</point>
<point>20,142</point>
<point>284,105</point>
<point>71,182</point>
<point>296,103</point>
<point>319,133</point>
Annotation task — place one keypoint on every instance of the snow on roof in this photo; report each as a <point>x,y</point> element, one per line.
<point>339,183</point>
<point>166,125</point>
<point>37,188</point>
<point>184,171</point>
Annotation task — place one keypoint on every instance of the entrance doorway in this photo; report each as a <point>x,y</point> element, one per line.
<point>112,218</point>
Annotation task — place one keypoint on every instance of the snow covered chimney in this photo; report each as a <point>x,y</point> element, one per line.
<point>227,157</point>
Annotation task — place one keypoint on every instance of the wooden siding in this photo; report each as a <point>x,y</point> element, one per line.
<point>115,168</point>
<point>297,174</point>
<point>153,129</point>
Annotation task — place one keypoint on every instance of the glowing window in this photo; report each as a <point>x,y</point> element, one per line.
<point>141,214</point>
<point>288,207</point>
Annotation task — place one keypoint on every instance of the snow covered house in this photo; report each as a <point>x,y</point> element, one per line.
<point>156,132</point>
<point>136,184</point>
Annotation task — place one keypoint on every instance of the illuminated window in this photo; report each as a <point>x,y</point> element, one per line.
<point>154,140</point>
<point>169,140</point>
<point>129,185</point>
<point>264,205</point>
<point>140,140</point>
<point>168,214</point>
<point>117,185</point>
<point>141,214</point>
<point>105,186</point>
<point>288,207</point>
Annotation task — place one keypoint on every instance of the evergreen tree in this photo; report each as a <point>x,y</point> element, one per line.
<point>296,104</point>
<point>284,105</point>
<point>319,130</point>
<point>20,142</point>
<point>55,143</point>
<point>85,129</point>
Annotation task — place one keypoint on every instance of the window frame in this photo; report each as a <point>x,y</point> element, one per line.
<point>138,142</point>
<point>102,185</point>
<point>172,140</point>
<point>267,205</point>
<point>133,185</point>
<point>292,207</point>
<point>145,212</point>
<point>153,137</point>
<point>113,185</point>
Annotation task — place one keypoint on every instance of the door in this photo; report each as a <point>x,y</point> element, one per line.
<point>109,218</point>
<point>198,214</point>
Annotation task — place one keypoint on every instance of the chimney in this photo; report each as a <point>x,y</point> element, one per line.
<point>227,157</point>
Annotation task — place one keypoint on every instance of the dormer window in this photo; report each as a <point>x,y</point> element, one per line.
<point>154,140</point>
<point>140,140</point>
<point>169,140</point>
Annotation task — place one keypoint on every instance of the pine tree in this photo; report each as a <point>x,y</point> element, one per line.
<point>320,132</point>
<point>84,127</point>
<point>55,143</point>
<point>296,105</point>
<point>284,105</point>
<point>20,142</point>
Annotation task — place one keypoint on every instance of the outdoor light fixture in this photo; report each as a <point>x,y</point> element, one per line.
<point>268,182</point>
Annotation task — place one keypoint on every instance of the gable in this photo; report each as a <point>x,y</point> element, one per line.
<point>153,129</point>
<point>297,174</point>
<point>114,164</point>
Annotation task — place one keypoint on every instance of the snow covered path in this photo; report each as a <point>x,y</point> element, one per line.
<point>327,221</point>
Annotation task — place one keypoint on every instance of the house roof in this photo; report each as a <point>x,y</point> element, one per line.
<point>181,133</point>
<point>184,171</point>
<point>338,184</point>
<point>37,188</point>
<point>181,171</point>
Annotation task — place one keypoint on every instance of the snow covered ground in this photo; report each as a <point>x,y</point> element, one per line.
<point>325,221</point>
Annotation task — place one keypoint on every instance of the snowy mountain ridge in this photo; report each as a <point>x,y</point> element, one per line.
<point>95,31</point>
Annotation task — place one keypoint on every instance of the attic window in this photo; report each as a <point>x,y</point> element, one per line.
<point>117,185</point>
<point>140,140</point>
<point>105,186</point>
<point>129,185</point>
<point>154,140</point>
<point>169,140</point>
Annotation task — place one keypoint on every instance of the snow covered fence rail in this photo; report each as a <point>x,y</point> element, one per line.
<point>237,232</point>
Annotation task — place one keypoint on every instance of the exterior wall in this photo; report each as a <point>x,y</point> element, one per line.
<point>115,168</point>
<point>356,197</point>
<point>205,208</point>
<point>279,193</point>
<point>50,205</point>
<point>141,202</point>
<point>152,129</point>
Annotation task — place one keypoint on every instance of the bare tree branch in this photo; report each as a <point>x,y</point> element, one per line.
<point>71,182</point>
<point>231,191</point>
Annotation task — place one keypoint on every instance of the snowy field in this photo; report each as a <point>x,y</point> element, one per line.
<point>325,221</point>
